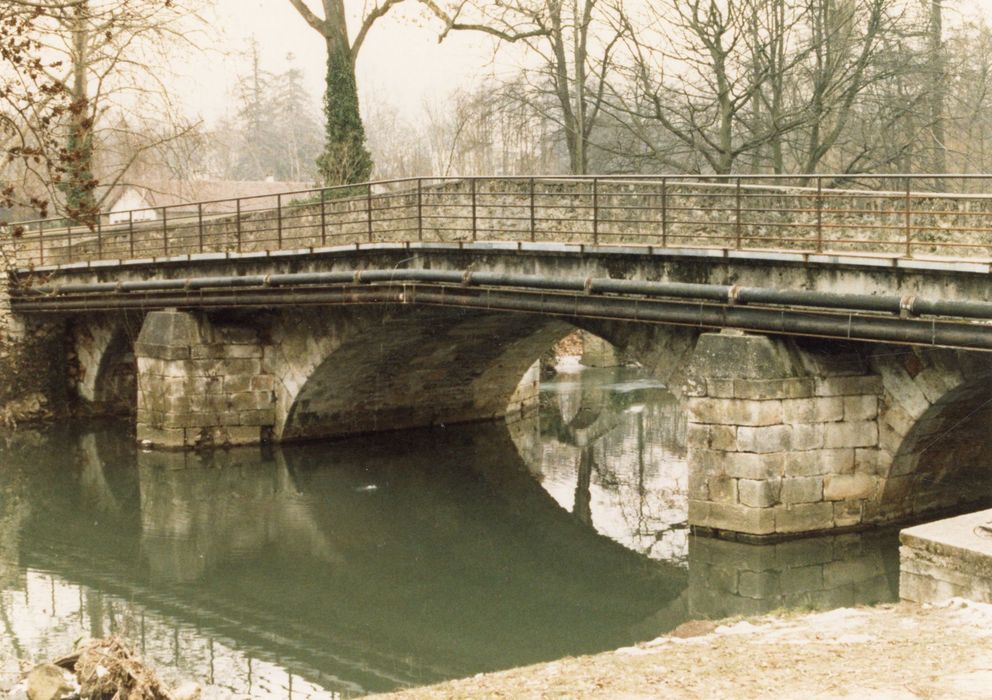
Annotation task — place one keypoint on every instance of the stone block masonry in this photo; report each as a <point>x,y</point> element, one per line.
<point>775,450</point>
<point>201,384</point>
<point>32,359</point>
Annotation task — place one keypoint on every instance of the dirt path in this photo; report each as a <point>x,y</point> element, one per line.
<point>888,652</point>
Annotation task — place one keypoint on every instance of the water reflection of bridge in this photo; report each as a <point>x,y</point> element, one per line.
<point>367,564</point>
<point>443,569</point>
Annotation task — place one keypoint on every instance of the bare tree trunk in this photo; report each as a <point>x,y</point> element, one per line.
<point>938,68</point>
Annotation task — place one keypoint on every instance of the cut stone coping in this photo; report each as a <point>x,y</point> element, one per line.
<point>946,558</point>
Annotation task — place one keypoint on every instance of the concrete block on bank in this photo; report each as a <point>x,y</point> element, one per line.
<point>947,558</point>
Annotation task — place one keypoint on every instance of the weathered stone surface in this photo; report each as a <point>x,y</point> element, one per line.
<point>804,517</point>
<point>850,434</point>
<point>741,465</point>
<point>848,386</point>
<point>758,493</point>
<point>951,557</point>
<point>848,513</point>
<point>792,388</point>
<point>208,401</point>
<point>735,356</point>
<point>813,410</point>
<point>772,438</point>
<point>860,408</point>
<point>735,518</point>
<point>735,411</point>
<point>845,487</point>
<point>802,489</point>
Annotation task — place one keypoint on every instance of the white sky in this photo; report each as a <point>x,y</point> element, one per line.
<point>401,63</point>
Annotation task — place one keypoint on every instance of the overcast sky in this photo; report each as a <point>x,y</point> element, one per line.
<point>401,63</point>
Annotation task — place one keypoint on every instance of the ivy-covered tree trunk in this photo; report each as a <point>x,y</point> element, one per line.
<point>345,159</point>
<point>78,182</point>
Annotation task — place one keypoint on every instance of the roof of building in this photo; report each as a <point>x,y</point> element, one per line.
<point>221,194</point>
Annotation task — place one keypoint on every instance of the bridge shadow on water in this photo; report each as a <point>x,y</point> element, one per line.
<point>371,563</point>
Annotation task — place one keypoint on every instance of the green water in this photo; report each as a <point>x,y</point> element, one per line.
<point>340,568</point>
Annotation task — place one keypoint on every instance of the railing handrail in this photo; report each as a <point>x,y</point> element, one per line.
<point>698,178</point>
<point>378,209</point>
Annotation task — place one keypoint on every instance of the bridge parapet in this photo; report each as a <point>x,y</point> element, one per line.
<point>892,215</point>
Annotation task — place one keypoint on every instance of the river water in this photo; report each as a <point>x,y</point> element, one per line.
<point>339,568</point>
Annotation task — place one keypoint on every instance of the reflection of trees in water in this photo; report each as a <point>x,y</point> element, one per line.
<point>618,441</point>
<point>456,561</point>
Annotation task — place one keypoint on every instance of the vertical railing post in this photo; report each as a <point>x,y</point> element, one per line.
<point>237,221</point>
<point>368,208</point>
<point>533,214</point>
<point>737,225</point>
<point>199,222</point>
<point>819,213</point>
<point>595,211</point>
<point>68,233</point>
<point>474,231</point>
<point>130,231</point>
<point>279,221</point>
<point>664,212</point>
<point>165,231</point>
<point>420,209</point>
<point>99,236</point>
<point>41,242</point>
<point>323,217</point>
<point>909,218</point>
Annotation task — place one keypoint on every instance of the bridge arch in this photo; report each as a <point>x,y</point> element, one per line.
<point>374,370</point>
<point>360,371</point>
<point>105,366</point>
<point>935,431</point>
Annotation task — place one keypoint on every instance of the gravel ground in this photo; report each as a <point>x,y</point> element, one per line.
<point>887,652</point>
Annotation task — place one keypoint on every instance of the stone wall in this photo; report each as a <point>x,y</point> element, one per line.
<point>33,382</point>
<point>694,213</point>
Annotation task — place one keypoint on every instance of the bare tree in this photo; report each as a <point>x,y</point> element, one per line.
<point>33,105</point>
<point>710,76</point>
<point>111,59</point>
<point>574,44</point>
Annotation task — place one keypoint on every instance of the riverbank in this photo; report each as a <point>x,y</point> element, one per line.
<point>890,651</point>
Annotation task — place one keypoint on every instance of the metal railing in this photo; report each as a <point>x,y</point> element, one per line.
<point>898,215</point>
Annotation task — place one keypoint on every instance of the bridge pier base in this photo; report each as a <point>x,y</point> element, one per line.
<point>201,384</point>
<point>781,442</point>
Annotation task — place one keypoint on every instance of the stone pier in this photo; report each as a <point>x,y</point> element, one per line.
<point>201,384</point>
<point>777,444</point>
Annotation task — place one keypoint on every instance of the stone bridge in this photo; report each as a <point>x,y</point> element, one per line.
<point>828,386</point>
